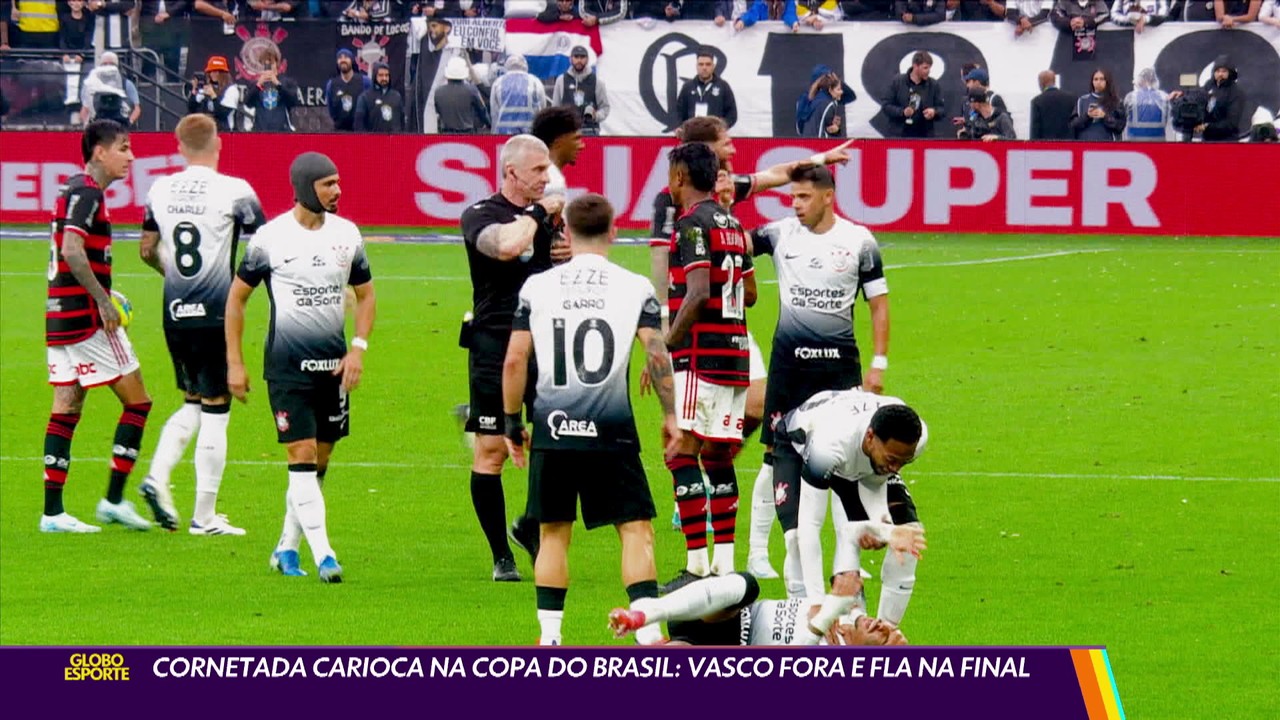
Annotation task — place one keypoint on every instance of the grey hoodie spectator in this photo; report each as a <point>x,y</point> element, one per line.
<point>1072,15</point>
<point>381,107</point>
<point>582,88</point>
<point>986,123</point>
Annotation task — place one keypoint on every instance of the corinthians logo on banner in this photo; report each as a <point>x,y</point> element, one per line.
<point>661,77</point>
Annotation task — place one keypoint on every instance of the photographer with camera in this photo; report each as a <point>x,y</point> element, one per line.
<point>987,123</point>
<point>1214,112</point>
<point>581,88</point>
<point>209,93</point>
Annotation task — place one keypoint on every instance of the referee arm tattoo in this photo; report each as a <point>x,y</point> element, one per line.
<point>507,241</point>
<point>659,367</point>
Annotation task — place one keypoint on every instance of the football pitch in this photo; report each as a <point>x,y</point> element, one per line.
<point>1103,469</point>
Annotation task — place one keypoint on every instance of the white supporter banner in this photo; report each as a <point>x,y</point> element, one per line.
<point>645,68</point>
<point>480,33</point>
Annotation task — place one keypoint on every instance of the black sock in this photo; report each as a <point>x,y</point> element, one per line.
<point>491,511</point>
<point>57,459</point>
<point>552,598</point>
<point>643,589</point>
<point>125,453</point>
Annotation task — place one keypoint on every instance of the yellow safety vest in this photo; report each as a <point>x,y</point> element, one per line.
<point>37,16</point>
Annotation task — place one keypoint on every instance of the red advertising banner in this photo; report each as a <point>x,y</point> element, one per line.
<point>428,180</point>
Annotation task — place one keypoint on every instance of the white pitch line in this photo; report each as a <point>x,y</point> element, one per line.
<point>959,473</point>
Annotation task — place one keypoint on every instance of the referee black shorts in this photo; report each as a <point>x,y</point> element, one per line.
<point>199,360</point>
<point>611,485</point>
<point>488,352</point>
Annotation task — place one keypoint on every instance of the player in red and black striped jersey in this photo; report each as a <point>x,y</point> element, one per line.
<point>86,347</point>
<point>708,339</point>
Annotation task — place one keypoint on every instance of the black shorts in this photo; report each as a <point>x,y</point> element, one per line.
<point>790,387</point>
<point>488,352</point>
<point>612,486</point>
<point>199,360</point>
<point>320,409</point>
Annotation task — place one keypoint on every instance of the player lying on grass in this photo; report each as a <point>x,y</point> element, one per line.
<point>725,610</point>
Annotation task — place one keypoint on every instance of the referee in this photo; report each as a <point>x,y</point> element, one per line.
<point>509,237</point>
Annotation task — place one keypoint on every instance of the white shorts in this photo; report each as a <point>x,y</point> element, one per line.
<point>710,411</point>
<point>100,360</point>
<point>756,370</point>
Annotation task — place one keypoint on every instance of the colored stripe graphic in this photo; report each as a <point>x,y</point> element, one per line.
<point>1097,684</point>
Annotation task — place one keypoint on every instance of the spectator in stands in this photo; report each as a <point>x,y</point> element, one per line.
<point>920,12</point>
<point>914,100</point>
<point>986,123</point>
<point>271,10</point>
<point>209,94</point>
<point>165,26</point>
<point>273,97</point>
<point>428,75</point>
<point>817,14</point>
<point>372,11</point>
<point>515,98</point>
<point>981,10</point>
<point>977,78</point>
<point>75,32</point>
<point>560,11</point>
<point>459,107</point>
<point>707,93</point>
<point>219,9</point>
<point>6,13</point>
<point>1226,104</point>
<point>669,10</point>
<point>457,8</point>
<point>582,89</point>
<point>1027,15</point>
<point>1139,14</point>
<point>114,19</point>
<point>381,107</point>
<point>1146,109</point>
<point>1232,13</point>
<point>36,22</point>
<point>867,10</point>
<point>815,113</point>
<point>760,10</point>
<point>602,12</point>
<point>343,90</point>
<point>107,94</point>
<point>1051,110</point>
<point>1270,13</point>
<point>1099,115</point>
<point>1079,16</point>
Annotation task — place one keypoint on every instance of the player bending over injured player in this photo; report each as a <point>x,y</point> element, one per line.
<point>725,610</point>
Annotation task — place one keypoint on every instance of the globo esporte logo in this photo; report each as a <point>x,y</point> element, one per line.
<point>96,666</point>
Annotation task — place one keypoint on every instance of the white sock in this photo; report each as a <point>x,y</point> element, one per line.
<point>722,559</point>
<point>211,461</point>
<point>291,534</point>
<point>699,564</point>
<point>308,506</point>
<point>763,511</point>
<point>897,581</point>
<point>549,621</point>
<point>695,600</point>
<point>175,435</point>
<point>792,575</point>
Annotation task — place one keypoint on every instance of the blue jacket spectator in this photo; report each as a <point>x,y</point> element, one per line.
<point>761,10</point>
<point>821,82</point>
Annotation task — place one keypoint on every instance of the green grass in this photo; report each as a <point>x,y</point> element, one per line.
<point>1086,411</point>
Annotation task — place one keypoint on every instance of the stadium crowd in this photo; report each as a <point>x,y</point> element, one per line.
<point>447,89</point>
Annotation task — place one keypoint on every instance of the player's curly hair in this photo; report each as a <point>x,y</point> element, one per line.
<point>699,162</point>
<point>553,123</point>
<point>897,422</point>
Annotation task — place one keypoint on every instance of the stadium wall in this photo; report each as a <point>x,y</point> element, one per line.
<point>923,186</point>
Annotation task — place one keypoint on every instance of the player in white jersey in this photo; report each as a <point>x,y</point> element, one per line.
<point>194,220</point>
<point>854,443</point>
<point>577,320</point>
<point>725,610</point>
<point>306,257</point>
<point>823,262</point>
